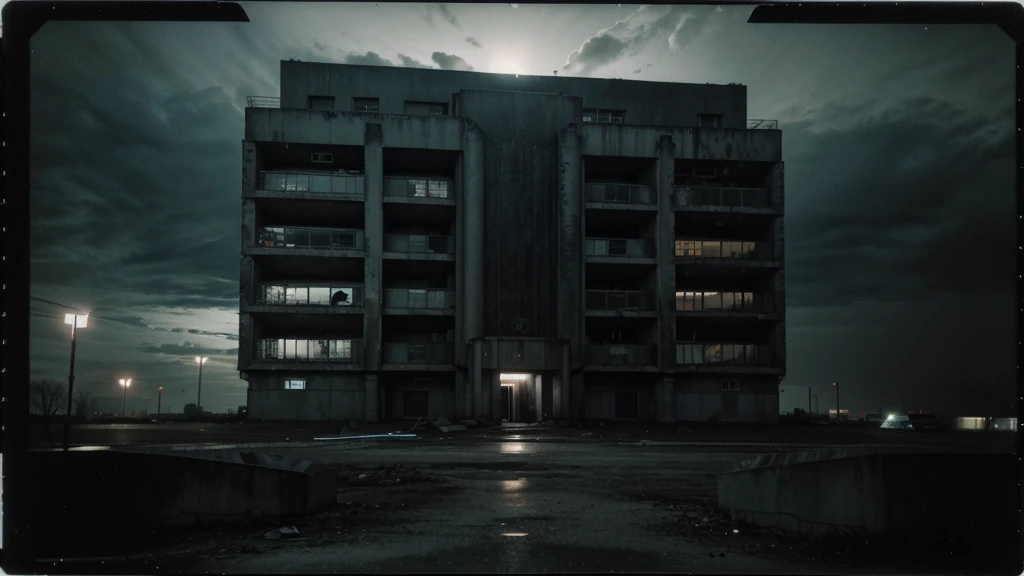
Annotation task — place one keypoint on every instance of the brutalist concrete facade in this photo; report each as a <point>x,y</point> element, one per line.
<point>409,236</point>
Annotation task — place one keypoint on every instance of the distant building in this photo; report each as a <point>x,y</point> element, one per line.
<point>443,243</point>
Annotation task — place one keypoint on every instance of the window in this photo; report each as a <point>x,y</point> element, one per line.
<point>344,240</point>
<point>321,158</point>
<point>598,115</point>
<point>709,120</point>
<point>417,353</point>
<point>321,102</point>
<point>616,247</point>
<point>730,385</point>
<point>294,384</point>
<point>417,298</point>
<point>366,105</point>
<point>426,108</point>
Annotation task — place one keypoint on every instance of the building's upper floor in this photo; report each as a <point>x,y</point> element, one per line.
<point>418,91</point>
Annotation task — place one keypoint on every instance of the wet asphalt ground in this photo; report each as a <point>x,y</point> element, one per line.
<point>518,501</point>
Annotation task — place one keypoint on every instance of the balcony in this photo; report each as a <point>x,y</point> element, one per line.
<point>755,200</point>
<point>620,303</point>
<point>727,355</point>
<point>262,102</point>
<point>724,303</point>
<point>754,124</point>
<point>622,356</point>
<point>292,237</point>
<point>419,356</point>
<point>308,299</point>
<point>620,194</point>
<point>419,301</point>
<point>414,246</point>
<point>420,190</point>
<point>311,184</point>
<point>620,248</point>
<point>339,354</point>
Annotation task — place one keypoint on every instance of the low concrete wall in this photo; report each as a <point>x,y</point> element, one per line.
<point>115,488</point>
<point>961,498</point>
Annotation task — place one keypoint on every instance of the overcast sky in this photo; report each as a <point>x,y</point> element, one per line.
<point>897,140</point>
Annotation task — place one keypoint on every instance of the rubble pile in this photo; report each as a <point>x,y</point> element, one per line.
<point>395,475</point>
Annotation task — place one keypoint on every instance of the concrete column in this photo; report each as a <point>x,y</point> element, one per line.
<point>477,381</point>
<point>666,282</point>
<point>250,167</point>
<point>471,215</point>
<point>246,342</point>
<point>570,250</point>
<point>777,187</point>
<point>538,396</point>
<point>374,242</point>
<point>372,398</point>
<point>556,395</point>
<point>664,395</point>
<point>496,395</point>
<point>564,387</point>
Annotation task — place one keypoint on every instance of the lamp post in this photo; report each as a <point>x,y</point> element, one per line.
<point>159,397</point>
<point>125,383</point>
<point>199,397</point>
<point>836,386</point>
<point>76,321</point>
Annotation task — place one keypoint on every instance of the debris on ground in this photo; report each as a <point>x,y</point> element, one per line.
<point>369,437</point>
<point>470,423</point>
<point>586,435</point>
<point>442,421</point>
<point>452,428</point>
<point>395,475</point>
<point>282,532</point>
<point>416,425</point>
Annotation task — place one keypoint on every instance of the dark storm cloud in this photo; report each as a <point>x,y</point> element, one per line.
<point>368,59</point>
<point>224,335</point>
<point>411,62</point>
<point>444,12</point>
<point>186,348</point>
<point>450,62</point>
<point>627,37</point>
<point>890,202</point>
<point>473,42</point>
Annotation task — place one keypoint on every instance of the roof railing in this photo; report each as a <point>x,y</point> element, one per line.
<point>262,102</point>
<point>762,124</point>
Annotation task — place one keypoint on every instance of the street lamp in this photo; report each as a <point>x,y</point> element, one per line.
<point>76,321</point>
<point>199,397</point>
<point>159,397</point>
<point>125,383</point>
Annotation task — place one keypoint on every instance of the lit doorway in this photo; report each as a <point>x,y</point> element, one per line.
<point>515,389</point>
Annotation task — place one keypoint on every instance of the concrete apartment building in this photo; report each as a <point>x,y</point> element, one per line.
<point>439,243</point>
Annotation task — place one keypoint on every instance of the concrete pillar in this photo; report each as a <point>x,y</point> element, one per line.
<point>565,385</point>
<point>477,381</point>
<point>463,398</point>
<point>556,396</point>
<point>471,215</point>
<point>538,395</point>
<point>246,342</point>
<point>664,394</point>
<point>777,187</point>
<point>374,241</point>
<point>372,398</point>
<point>570,252</point>
<point>495,387</point>
<point>666,291</point>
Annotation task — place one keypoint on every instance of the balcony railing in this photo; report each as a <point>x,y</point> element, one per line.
<point>262,102</point>
<point>621,247</point>
<point>753,124</point>
<point>316,238</point>
<point>619,194</point>
<point>419,298</point>
<point>419,188</point>
<point>419,353</point>
<point>723,353</point>
<point>723,197</point>
<point>342,185</point>
<point>622,300</point>
<point>309,295</point>
<point>755,302</point>
<point>724,250</point>
<point>301,350</point>
<point>622,354</point>
<point>419,244</point>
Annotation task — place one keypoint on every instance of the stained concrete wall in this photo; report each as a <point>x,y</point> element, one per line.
<point>702,399</point>
<point>671,104</point>
<point>441,393</point>
<point>326,397</point>
<point>956,499</point>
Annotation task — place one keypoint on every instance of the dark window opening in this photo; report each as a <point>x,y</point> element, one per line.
<point>709,120</point>
<point>730,385</point>
<point>426,108</point>
<point>416,404</point>
<point>627,405</point>
<point>366,105</point>
<point>321,158</point>
<point>321,102</point>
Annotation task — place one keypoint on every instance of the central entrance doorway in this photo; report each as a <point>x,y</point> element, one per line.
<point>515,396</point>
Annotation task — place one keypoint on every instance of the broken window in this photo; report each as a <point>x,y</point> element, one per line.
<point>602,115</point>
<point>294,384</point>
<point>366,105</point>
<point>730,385</point>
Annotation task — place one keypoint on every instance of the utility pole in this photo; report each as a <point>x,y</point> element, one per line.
<point>159,397</point>
<point>836,385</point>
<point>71,376</point>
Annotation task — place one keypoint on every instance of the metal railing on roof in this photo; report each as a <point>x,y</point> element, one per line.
<point>753,124</point>
<point>262,102</point>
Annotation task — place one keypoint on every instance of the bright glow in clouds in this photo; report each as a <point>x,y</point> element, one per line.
<point>506,64</point>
